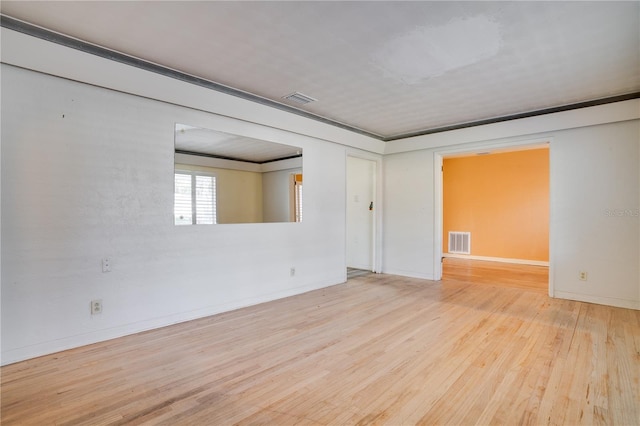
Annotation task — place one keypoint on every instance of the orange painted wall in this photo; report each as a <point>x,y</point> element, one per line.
<point>503,200</point>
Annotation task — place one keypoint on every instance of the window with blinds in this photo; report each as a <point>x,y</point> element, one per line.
<point>297,197</point>
<point>299,202</point>
<point>194,198</point>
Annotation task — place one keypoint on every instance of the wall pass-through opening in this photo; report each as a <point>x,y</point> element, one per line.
<point>501,197</point>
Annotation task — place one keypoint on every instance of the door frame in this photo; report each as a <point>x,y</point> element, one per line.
<point>376,240</point>
<point>494,147</point>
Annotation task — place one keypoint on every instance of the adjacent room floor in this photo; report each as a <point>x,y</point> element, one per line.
<point>496,274</point>
<point>355,272</point>
<point>379,349</point>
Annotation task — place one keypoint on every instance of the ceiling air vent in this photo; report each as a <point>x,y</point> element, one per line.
<point>299,98</point>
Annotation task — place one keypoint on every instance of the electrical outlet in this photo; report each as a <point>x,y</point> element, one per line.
<point>583,275</point>
<point>292,272</point>
<point>96,307</point>
<point>106,264</point>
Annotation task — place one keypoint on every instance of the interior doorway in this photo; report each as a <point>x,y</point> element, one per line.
<point>361,209</point>
<point>480,229</point>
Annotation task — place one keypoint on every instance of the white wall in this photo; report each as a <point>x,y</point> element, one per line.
<point>594,213</point>
<point>594,176</point>
<point>409,214</point>
<point>276,195</point>
<point>87,173</point>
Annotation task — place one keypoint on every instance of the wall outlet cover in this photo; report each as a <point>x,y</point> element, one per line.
<point>96,307</point>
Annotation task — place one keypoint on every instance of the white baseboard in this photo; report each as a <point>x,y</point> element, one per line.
<point>608,301</point>
<point>409,274</point>
<point>498,259</point>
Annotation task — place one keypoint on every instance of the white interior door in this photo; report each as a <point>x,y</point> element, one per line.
<point>361,205</point>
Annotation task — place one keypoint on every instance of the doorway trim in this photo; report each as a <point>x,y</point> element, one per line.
<point>376,244</point>
<point>495,147</point>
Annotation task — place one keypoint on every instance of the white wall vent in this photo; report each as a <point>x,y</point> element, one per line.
<point>460,242</point>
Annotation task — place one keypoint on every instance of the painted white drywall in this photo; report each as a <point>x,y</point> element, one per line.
<point>409,214</point>
<point>87,173</point>
<point>595,189</point>
<point>595,213</point>
<point>276,195</point>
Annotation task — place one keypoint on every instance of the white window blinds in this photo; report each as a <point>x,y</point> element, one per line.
<point>298,202</point>
<point>297,196</point>
<point>195,198</point>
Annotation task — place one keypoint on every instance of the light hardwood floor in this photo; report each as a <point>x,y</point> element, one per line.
<point>526,277</point>
<point>380,349</point>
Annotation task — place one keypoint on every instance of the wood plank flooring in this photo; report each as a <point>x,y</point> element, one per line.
<point>379,349</point>
<point>526,277</point>
<point>354,272</point>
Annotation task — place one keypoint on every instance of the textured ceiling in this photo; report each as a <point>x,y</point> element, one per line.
<point>189,139</point>
<point>388,68</point>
